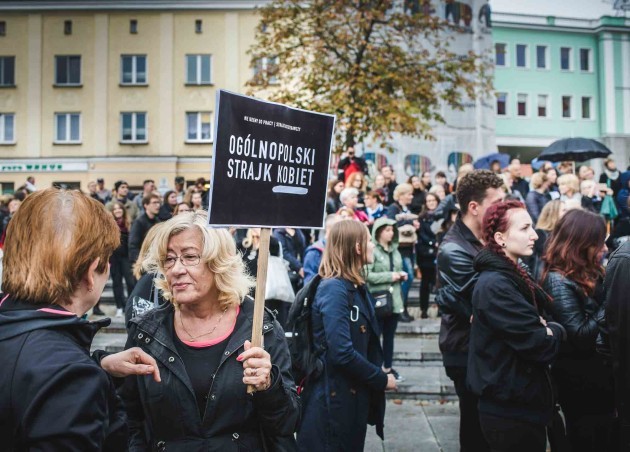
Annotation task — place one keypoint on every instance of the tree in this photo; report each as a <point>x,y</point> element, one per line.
<point>381,67</point>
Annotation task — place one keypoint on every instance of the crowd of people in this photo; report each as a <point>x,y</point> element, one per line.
<point>529,278</point>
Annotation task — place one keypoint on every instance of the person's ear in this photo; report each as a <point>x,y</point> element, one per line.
<point>357,248</point>
<point>500,239</point>
<point>88,279</point>
<point>473,207</point>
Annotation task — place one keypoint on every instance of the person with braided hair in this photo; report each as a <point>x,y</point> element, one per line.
<point>573,276</point>
<point>511,346</point>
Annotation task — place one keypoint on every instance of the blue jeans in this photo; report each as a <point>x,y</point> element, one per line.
<point>406,285</point>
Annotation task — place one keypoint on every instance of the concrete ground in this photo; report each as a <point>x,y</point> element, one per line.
<point>412,425</point>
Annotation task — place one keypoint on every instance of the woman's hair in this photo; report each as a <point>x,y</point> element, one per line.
<point>376,195</point>
<point>218,252</point>
<point>549,215</point>
<point>570,180</point>
<point>422,187</point>
<point>425,211</point>
<point>497,219</point>
<point>356,175</point>
<point>345,210</point>
<point>340,259</point>
<point>347,193</point>
<point>573,248</point>
<point>145,261</point>
<point>538,180</point>
<point>248,241</point>
<point>51,242</point>
<point>110,208</point>
<point>188,195</point>
<point>178,206</point>
<point>401,189</point>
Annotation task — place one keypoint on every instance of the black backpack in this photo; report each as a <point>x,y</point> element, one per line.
<point>306,362</point>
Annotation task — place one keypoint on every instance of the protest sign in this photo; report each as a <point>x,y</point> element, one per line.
<point>270,164</point>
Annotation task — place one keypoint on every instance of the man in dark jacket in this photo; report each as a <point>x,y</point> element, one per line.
<point>292,243</point>
<point>351,164</point>
<point>456,279</point>
<point>518,183</point>
<point>141,226</point>
<point>617,287</point>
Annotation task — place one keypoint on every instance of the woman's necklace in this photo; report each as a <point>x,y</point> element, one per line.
<point>192,338</point>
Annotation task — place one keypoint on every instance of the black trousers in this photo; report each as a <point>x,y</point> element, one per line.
<point>121,269</point>
<point>428,280</point>
<point>471,438</point>
<point>388,331</point>
<point>511,435</point>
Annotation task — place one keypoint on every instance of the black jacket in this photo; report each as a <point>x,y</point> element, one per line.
<point>456,281</point>
<point>292,247</point>
<point>535,202</point>
<point>617,288</point>
<point>510,352</point>
<point>138,232</point>
<point>427,246</point>
<point>165,213</point>
<point>53,396</point>
<point>164,416</point>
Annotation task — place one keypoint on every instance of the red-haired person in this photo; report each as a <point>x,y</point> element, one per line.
<point>572,276</point>
<point>511,346</point>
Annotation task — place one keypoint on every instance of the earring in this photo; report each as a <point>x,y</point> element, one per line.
<point>503,245</point>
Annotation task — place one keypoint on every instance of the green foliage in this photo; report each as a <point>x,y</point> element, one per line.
<point>378,68</point>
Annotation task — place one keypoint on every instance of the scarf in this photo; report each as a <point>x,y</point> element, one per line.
<point>121,225</point>
<point>487,260</point>
<point>612,175</point>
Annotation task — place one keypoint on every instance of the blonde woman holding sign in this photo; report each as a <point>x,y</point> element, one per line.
<point>201,342</point>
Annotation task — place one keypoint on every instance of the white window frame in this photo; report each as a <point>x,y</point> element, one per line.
<point>526,115</point>
<point>134,129</point>
<point>134,70</point>
<point>68,116</point>
<point>547,57</point>
<point>571,58</point>
<point>590,59</point>
<point>571,108</point>
<point>526,56</point>
<point>507,104</point>
<point>590,107</point>
<point>198,139</point>
<point>264,63</point>
<point>3,139</point>
<point>506,55</point>
<point>197,79</point>
<point>2,64</point>
<point>547,106</point>
<point>57,83</point>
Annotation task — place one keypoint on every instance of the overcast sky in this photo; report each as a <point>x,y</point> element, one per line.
<point>583,9</point>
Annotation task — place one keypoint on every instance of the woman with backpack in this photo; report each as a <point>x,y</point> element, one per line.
<point>348,393</point>
<point>384,278</point>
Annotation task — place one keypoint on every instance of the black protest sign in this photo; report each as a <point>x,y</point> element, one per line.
<point>270,164</point>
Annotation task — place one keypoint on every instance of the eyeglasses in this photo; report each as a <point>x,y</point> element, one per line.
<point>187,260</point>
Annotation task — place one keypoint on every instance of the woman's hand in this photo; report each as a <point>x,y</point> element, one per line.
<point>133,361</point>
<point>391,383</point>
<point>396,277</point>
<point>256,367</point>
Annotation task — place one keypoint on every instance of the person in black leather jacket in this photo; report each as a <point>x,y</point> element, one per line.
<point>572,276</point>
<point>476,191</point>
<point>617,288</point>
<point>511,345</point>
<point>201,342</point>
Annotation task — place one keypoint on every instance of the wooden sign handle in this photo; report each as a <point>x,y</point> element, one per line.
<point>259,299</point>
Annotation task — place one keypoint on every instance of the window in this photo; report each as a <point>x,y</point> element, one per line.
<point>269,66</point>
<point>585,60</point>
<point>3,28</point>
<point>7,71</point>
<point>500,54</point>
<point>198,69</point>
<point>502,104</point>
<point>133,127</point>
<point>68,70</point>
<point>543,100</point>
<point>7,128</point>
<point>566,107</point>
<point>199,126</point>
<point>521,105</point>
<point>198,26</point>
<point>521,55</point>
<point>67,27</point>
<point>67,127</point>
<point>133,69</point>
<point>133,26</point>
<point>541,57</point>
<point>565,58</point>
<point>586,107</point>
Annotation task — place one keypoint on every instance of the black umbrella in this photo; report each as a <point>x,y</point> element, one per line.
<point>575,150</point>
